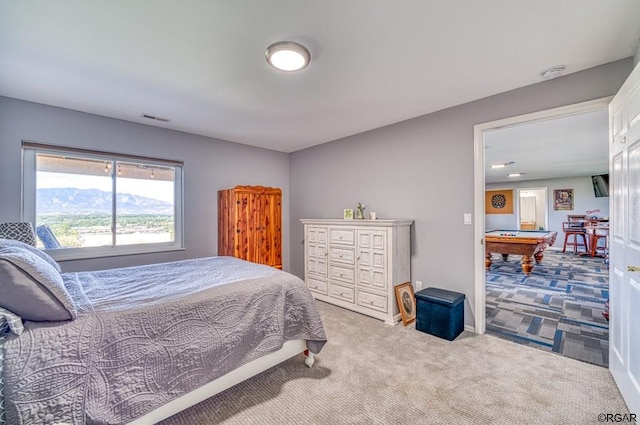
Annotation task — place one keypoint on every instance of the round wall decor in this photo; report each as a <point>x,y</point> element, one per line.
<point>498,200</point>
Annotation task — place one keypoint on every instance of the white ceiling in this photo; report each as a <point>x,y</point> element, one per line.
<point>200,63</point>
<point>570,146</point>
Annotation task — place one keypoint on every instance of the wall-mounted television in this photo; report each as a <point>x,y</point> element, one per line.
<point>600,185</point>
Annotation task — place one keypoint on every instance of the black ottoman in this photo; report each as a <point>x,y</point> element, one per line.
<point>440,312</point>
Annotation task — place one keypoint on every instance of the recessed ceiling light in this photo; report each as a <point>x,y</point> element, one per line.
<point>553,72</point>
<point>515,174</point>
<point>287,56</point>
<point>501,164</point>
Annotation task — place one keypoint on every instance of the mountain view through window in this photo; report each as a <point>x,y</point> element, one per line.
<point>83,202</point>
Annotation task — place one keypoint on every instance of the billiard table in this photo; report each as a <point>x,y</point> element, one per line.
<point>528,243</point>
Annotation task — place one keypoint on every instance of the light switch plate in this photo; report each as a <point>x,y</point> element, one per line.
<point>467,219</point>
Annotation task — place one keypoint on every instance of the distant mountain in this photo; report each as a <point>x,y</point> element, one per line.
<point>93,201</point>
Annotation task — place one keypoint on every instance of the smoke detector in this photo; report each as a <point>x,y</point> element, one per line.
<point>553,72</point>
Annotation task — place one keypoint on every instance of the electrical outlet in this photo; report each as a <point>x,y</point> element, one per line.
<point>418,285</point>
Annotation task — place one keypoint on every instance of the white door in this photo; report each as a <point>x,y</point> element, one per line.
<point>527,213</point>
<point>624,240</point>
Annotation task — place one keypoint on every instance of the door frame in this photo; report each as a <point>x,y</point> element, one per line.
<point>479,131</point>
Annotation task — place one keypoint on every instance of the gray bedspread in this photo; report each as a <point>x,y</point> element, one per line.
<point>146,335</point>
<point>4,329</point>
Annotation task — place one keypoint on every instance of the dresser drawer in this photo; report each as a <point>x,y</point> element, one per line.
<point>317,235</point>
<point>316,285</point>
<point>317,266</point>
<point>342,236</point>
<point>343,274</point>
<point>342,255</point>
<point>373,301</point>
<point>342,292</point>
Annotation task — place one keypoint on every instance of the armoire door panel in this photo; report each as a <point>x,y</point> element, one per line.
<point>249,223</point>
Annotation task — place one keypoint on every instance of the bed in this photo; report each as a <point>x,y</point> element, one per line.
<point>138,344</point>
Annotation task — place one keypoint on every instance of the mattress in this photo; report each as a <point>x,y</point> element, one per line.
<point>146,335</point>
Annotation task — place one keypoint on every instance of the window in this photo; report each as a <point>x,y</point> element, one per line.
<point>90,204</point>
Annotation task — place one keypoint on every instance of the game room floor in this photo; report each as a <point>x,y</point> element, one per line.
<point>557,308</point>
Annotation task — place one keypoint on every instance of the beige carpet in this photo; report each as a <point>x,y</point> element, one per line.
<point>372,373</point>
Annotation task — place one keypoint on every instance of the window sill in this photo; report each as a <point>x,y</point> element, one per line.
<point>70,254</point>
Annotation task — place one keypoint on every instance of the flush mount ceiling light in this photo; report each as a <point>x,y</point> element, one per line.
<point>287,56</point>
<point>553,72</point>
<point>515,174</point>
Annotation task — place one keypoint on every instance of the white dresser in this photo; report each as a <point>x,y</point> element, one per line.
<point>355,264</point>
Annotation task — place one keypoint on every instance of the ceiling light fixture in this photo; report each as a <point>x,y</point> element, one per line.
<point>553,72</point>
<point>501,164</point>
<point>515,174</point>
<point>287,56</point>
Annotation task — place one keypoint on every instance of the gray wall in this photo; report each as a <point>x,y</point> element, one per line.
<point>423,169</point>
<point>209,165</point>
<point>584,202</point>
<point>420,169</point>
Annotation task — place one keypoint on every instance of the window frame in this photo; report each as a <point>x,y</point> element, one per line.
<point>28,192</point>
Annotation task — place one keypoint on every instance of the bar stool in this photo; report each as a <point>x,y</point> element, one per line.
<point>595,234</point>
<point>576,230</point>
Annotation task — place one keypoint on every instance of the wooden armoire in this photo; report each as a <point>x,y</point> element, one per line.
<point>249,224</point>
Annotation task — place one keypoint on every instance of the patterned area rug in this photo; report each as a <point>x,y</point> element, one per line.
<point>557,308</point>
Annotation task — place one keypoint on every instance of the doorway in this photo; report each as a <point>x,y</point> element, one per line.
<point>532,208</point>
<point>557,302</point>
<point>479,187</point>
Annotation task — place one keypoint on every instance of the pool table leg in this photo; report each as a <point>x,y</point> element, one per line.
<point>487,260</point>
<point>538,256</point>
<point>526,264</point>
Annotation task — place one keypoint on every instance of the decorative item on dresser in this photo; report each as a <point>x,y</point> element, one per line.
<point>356,264</point>
<point>249,224</point>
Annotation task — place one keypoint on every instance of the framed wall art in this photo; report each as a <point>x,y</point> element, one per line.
<point>498,201</point>
<point>348,214</point>
<point>563,199</point>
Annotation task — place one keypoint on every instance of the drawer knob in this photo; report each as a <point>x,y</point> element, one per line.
<point>341,293</point>
<point>341,275</point>
<point>340,255</point>
<point>371,302</point>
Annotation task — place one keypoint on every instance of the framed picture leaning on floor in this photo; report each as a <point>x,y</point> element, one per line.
<point>406,302</point>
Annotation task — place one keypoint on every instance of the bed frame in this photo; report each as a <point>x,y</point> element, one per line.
<point>288,350</point>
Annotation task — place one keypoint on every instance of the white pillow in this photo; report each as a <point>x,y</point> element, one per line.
<point>32,288</point>
<point>37,251</point>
